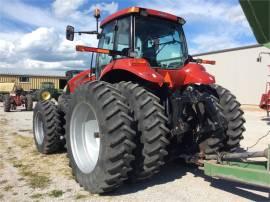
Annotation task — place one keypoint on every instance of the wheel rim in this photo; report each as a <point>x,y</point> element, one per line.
<point>84,137</point>
<point>39,129</point>
<point>45,95</point>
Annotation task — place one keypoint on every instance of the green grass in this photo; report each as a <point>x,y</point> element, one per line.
<point>80,196</point>
<point>35,180</point>
<point>3,181</point>
<point>56,193</point>
<point>36,196</point>
<point>8,188</point>
<point>39,181</point>
<point>17,164</point>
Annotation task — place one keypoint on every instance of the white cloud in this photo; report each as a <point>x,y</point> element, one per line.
<point>6,50</point>
<point>45,46</point>
<point>110,8</point>
<point>207,43</point>
<point>39,40</point>
<point>28,14</point>
<point>63,8</point>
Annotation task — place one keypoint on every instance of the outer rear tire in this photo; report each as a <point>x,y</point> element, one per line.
<point>214,143</point>
<point>151,130</point>
<point>47,128</point>
<point>7,103</point>
<point>234,116</point>
<point>115,133</point>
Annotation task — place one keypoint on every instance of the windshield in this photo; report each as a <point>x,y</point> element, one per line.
<point>161,42</point>
<point>47,85</point>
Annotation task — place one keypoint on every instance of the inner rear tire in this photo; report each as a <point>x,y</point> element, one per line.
<point>47,128</point>
<point>234,116</point>
<point>151,130</point>
<point>99,136</point>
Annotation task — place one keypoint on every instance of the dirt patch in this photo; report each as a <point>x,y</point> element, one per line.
<point>27,175</point>
<point>34,175</point>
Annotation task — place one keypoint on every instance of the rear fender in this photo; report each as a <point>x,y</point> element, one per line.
<point>138,67</point>
<point>196,74</point>
<point>80,79</point>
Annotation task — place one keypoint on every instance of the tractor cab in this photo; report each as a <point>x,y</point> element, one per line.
<point>137,43</point>
<point>156,37</point>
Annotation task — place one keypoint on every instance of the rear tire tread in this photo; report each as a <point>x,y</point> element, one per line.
<point>151,127</point>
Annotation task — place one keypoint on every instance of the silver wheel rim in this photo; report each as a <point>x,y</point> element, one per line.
<point>84,137</point>
<point>39,129</point>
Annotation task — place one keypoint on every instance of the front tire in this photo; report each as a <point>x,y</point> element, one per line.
<point>99,137</point>
<point>47,128</point>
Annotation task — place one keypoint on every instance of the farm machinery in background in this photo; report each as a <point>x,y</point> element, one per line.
<point>144,102</point>
<point>48,91</point>
<point>265,99</point>
<point>14,96</point>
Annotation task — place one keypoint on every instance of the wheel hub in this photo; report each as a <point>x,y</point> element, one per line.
<point>45,95</point>
<point>84,137</point>
<point>38,128</point>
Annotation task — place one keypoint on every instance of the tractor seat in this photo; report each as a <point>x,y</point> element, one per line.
<point>150,55</point>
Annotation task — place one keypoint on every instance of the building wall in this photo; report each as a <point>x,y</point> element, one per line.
<point>34,81</point>
<point>239,71</point>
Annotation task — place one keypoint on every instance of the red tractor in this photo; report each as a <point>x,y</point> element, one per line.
<point>16,98</point>
<point>145,102</point>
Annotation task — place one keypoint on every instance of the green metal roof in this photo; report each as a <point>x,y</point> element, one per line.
<point>258,15</point>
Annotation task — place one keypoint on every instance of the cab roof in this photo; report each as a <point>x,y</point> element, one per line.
<point>132,10</point>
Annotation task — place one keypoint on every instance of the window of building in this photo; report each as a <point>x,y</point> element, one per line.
<point>24,79</point>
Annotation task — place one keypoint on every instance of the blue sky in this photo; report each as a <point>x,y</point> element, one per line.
<point>32,32</point>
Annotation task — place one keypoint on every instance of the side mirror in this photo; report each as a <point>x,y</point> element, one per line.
<point>70,33</point>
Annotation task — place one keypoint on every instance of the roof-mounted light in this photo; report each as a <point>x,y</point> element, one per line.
<point>134,10</point>
<point>96,13</point>
<point>181,21</point>
<point>143,12</point>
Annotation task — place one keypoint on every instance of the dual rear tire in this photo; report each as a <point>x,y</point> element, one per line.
<point>102,136</point>
<point>115,133</point>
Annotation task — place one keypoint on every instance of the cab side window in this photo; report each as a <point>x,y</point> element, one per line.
<point>106,42</point>
<point>123,34</point>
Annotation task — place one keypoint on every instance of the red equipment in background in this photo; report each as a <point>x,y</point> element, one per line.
<point>265,99</point>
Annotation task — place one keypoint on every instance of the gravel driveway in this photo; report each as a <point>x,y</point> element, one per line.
<point>26,175</point>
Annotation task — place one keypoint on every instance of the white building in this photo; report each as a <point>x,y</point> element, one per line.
<point>237,69</point>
